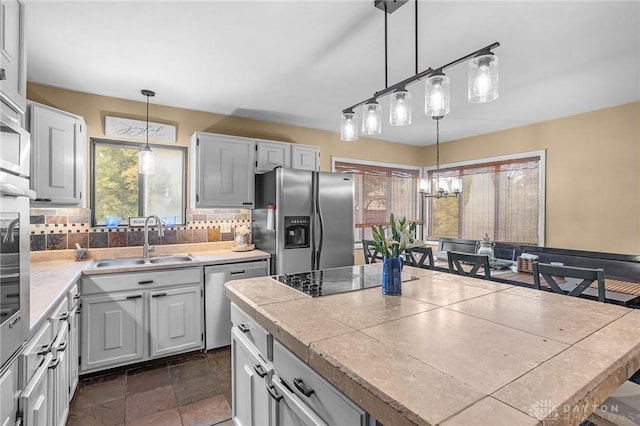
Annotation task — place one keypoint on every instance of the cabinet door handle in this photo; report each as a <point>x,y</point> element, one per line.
<point>3,74</point>
<point>145,282</point>
<point>137,296</point>
<point>259,369</point>
<point>159,295</point>
<point>247,203</point>
<point>236,272</point>
<point>243,328</point>
<point>62,347</point>
<point>274,393</point>
<point>46,200</point>
<point>299,384</point>
<point>54,364</point>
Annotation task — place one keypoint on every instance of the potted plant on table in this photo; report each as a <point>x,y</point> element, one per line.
<point>391,242</point>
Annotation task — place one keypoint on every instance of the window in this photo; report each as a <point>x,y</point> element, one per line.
<point>380,189</point>
<point>118,189</point>
<point>503,198</point>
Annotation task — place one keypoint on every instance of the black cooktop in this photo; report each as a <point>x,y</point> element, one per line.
<point>337,280</point>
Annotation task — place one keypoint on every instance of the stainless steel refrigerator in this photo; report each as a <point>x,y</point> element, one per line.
<point>304,219</point>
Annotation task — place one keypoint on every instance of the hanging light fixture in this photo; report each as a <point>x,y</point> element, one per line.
<point>400,108</point>
<point>436,95</point>
<point>483,86</point>
<point>445,187</point>
<point>146,157</point>
<point>372,118</point>
<point>483,78</point>
<point>349,127</point>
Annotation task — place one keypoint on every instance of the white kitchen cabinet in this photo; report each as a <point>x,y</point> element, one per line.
<point>34,399</point>
<point>59,378</point>
<point>250,376</point>
<point>74,339</point>
<point>176,320</point>
<point>132,317</point>
<point>9,393</point>
<point>58,147</point>
<point>112,330</point>
<point>222,171</point>
<point>217,306</point>
<point>305,157</point>
<point>13,71</point>
<point>270,155</point>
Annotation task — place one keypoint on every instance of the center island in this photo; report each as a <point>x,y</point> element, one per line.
<point>450,350</point>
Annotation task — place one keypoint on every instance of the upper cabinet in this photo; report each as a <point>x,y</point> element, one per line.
<point>58,152</point>
<point>13,72</point>
<point>270,155</point>
<point>222,173</point>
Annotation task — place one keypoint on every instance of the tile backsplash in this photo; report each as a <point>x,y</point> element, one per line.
<point>62,228</point>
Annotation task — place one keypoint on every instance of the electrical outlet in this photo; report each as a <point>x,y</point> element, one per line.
<point>225,227</point>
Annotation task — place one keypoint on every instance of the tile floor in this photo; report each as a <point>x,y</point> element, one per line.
<point>191,390</point>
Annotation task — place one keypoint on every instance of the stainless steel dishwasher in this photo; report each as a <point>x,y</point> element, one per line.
<point>217,306</point>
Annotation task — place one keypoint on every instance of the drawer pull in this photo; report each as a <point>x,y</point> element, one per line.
<point>237,272</point>
<point>299,384</point>
<point>259,369</point>
<point>43,200</point>
<point>62,347</point>
<point>136,296</point>
<point>54,364</point>
<point>13,295</point>
<point>145,282</point>
<point>45,349</point>
<point>274,393</point>
<point>244,328</point>
<point>159,295</point>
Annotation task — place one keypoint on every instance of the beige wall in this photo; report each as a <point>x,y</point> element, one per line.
<point>592,179</point>
<point>593,159</point>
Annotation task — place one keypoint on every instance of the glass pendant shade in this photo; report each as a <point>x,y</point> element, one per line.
<point>146,161</point>
<point>349,126</point>
<point>436,95</point>
<point>372,118</point>
<point>483,78</point>
<point>400,108</point>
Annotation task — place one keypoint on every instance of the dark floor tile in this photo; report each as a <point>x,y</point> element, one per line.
<point>220,361</point>
<point>196,389</point>
<point>206,412</point>
<point>181,359</point>
<point>170,417</point>
<point>143,404</point>
<point>108,413</point>
<point>190,370</point>
<point>100,390</point>
<point>145,380</point>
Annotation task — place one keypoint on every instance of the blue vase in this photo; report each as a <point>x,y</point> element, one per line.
<point>392,276</point>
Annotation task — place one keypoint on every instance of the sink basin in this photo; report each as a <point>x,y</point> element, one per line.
<point>171,259</point>
<point>139,261</point>
<point>118,262</point>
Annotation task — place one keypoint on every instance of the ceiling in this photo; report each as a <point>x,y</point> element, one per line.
<point>302,62</point>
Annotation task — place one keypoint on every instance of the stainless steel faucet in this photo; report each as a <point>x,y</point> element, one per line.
<point>146,249</point>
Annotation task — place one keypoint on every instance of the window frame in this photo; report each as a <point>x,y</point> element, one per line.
<point>516,156</point>
<point>138,145</point>
<point>419,169</point>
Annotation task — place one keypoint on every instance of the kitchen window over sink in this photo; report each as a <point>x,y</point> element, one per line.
<point>380,189</point>
<point>501,196</point>
<point>117,189</point>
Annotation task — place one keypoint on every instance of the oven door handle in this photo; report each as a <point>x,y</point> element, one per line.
<point>10,190</point>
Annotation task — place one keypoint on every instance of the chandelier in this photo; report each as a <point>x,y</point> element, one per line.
<point>482,86</point>
<point>443,185</point>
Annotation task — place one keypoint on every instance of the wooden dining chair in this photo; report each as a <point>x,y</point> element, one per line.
<point>588,276</point>
<point>371,254</point>
<point>476,261</point>
<point>416,256</point>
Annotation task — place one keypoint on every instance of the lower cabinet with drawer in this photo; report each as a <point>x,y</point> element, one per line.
<point>262,368</point>
<point>133,317</point>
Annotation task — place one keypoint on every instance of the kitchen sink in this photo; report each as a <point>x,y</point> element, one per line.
<point>140,261</point>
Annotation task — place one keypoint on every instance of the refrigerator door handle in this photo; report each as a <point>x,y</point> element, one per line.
<point>314,204</point>
<point>320,224</point>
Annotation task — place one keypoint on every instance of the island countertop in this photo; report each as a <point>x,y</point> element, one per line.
<point>454,350</point>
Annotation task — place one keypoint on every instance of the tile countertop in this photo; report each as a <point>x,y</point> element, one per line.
<point>50,280</point>
<point>454,350</point>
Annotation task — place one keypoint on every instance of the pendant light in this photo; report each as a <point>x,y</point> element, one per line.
<point>371,118</point>
<point>400,108</point>
<point>483,78</point>
<point>349,126</point>
<point>436,95</point>
<point>146,157</point>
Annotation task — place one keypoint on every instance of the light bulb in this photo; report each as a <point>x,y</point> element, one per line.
<point>349,127</point>
<point>146,161</point>
<point>400,108</point>
<point>436,101</point>
<point>371,122</point>
<point>483,78</point>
